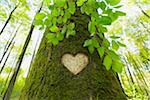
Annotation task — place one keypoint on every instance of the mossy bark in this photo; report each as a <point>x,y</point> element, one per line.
<point>50,80</point>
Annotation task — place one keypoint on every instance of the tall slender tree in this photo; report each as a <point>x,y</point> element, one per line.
<point>9,43</point>
<point>7,58</point>
<point>19,61</point>
<point>7,21</point>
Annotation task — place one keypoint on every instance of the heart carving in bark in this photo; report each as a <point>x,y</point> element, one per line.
<point>75,64</point>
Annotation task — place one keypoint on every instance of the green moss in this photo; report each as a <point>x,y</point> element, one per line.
<point>50,80</point>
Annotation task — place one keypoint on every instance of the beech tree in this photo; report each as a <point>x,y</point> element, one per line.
<point>75,60</point>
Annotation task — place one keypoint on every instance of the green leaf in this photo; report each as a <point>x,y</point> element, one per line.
<point>60,3</point>
<point>101,5</point>
<point>54,28</point>
<point>100,51</point>
<point>71,26</point>
<point>87,43</point>
<point>61,12</point>
<point>59,20</point>
<point>117,66</point>
<point>91,49</point>
<point>55,12</point>
<point>105,20</point>
<point>95,43</point>
<point>80,2</point>
<point>54,20</point>
<point>47,2</point>
<point>91,27</point>
<point>111,14</point>
<point>38,22</point>
<point>101,28</point>
<point>115,45</point>
<point>113,55</point>
<point>113,2</point>
<point>54,41</point>
<point>66,16</point>
<point>106,43</point>
<point>72,7</point>
<point>40,16</point>
<point>60,36</point>
<point>50,36</point>
<point>94,15</point>
<point>91,42</point>
<point>47,22</point>
<point>107,62</point>
<point>50,7</point>
<point>84,8</point>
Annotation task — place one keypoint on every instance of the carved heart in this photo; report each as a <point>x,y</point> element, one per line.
<point>75,64</point>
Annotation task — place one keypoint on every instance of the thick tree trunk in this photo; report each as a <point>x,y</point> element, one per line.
<point>50,80</point>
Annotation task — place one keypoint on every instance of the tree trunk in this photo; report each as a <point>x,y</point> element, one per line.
<point>7,21</point>
<point>50,80</point>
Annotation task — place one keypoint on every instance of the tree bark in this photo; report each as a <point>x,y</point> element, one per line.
<point>50,80</point>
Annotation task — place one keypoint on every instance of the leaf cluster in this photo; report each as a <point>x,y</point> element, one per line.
<point>102,13</point>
